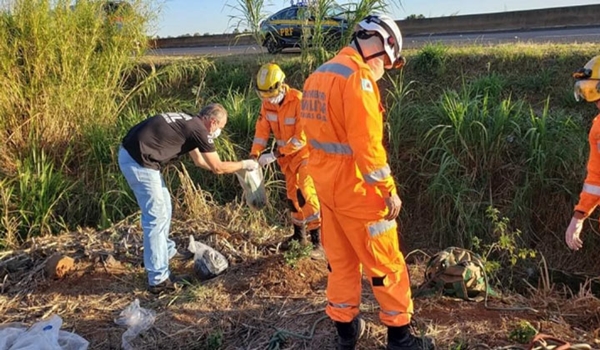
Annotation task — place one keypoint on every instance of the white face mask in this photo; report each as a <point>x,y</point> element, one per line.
<point>215,134</point>
<point>277,99</point>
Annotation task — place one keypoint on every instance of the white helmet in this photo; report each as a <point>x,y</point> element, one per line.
<point>388,30</point>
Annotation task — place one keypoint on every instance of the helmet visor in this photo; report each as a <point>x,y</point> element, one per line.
<point>582,73</point>
<point>587,90</point>
<point>272,92</point>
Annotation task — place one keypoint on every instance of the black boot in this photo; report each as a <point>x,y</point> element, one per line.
<point>400,338</point>
<point>349,333</point>
<point>315,238</point>
<point>299,235</point>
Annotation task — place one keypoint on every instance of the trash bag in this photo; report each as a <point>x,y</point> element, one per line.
<point>208,263</point>
<point>9,333</point>
<point>252,183</point>
<point>137,320</point>
<point>43,335</point>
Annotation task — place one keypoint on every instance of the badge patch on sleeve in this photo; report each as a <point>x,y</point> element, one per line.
<point>366,85</point>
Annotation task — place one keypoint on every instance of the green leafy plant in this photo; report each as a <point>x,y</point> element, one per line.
<point>296,252</point>
<point>523,332</point>
<point>214,341</point>
<point>507,250</point>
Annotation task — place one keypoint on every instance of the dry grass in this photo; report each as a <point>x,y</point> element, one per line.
<point>245,307</point>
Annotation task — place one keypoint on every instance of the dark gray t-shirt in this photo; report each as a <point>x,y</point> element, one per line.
<point>164,137</point>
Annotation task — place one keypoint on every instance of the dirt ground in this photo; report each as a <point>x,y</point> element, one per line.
<point>259,303</point>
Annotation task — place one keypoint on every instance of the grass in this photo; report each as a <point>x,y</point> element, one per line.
<point>467,128</point>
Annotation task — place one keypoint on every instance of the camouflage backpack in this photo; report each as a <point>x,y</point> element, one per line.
<point>456,272</point>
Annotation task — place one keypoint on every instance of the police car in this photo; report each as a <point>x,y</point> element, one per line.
<point>284,29</point>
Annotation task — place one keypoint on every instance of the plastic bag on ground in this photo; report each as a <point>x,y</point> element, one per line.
<point>43,335</point>
<point>252,182</point>
<point>137,320</point>
<point>208,263</point>
<point>9,333</point>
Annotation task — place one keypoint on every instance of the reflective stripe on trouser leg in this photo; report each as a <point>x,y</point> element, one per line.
<point>344,280</point>
<point>311,208</point>
<point>376,245</point>
<point>389,276</point>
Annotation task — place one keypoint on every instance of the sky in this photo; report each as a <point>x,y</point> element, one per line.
<point>179,17</point>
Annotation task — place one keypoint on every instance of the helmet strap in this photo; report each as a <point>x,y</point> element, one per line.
<point>363,35</point>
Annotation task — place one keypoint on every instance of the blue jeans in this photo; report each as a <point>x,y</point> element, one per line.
<point>154,200</point>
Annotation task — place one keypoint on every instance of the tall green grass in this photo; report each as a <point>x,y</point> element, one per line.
<point>248,14</point>
<point>466,129</point>
<point>473,151</point>
<point>61,76</point>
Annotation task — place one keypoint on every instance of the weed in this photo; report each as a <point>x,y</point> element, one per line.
<point>507,249</point>
<point>214,340</point>
<point>296,252</point>
<point>249,14</point>
<point>459,344</point>
<point>431,60</point>
<point>40,189</point>
<point>523,332</point>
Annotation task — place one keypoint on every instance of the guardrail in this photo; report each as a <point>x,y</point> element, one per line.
<point>574,16</point>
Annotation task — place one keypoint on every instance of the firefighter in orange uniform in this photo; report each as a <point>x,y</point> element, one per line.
<point>587,87</point>
<point>343,121</point>
<point>280,114</point>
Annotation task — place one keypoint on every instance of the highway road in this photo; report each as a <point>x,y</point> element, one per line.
<point>563,35</point>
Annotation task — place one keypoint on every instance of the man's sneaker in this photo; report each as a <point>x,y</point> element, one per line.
<point>171,284</point>
<point>317,253</point>
<point>187,255</point>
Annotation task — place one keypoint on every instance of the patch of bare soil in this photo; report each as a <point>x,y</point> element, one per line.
<point>259,303</point>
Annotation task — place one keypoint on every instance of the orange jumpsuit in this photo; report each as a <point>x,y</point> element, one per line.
<point>283,120</point>
<point>590,195</point>
<point>343,121</point>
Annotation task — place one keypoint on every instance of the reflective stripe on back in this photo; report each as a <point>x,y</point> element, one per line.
<point>336,68</point>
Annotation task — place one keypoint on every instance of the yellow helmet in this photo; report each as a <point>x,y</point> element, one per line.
<point>587,86</point>
<point>269,80</point>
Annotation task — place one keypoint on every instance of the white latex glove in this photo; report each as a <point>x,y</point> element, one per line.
<point>266,158</point>
<point>572,234</point>
<point>249,164</point>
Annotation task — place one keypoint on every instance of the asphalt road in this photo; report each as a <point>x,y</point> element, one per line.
<point>568,35</point>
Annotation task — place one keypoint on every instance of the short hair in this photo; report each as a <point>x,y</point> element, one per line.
<point>213,111</point>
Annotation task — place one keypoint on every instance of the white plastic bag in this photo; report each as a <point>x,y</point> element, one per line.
<point>9,333</point>
<point>208,262</point>
<point>252,182</point>
<point>137,320</point>
<point>43,335</point>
